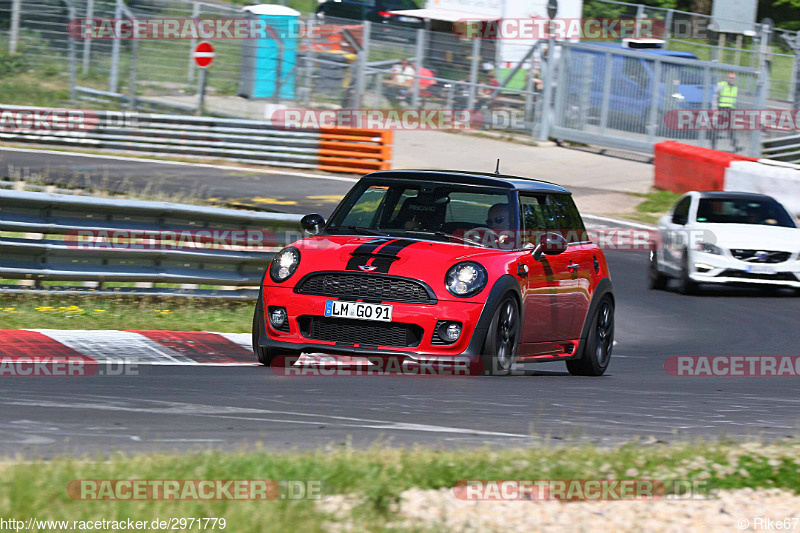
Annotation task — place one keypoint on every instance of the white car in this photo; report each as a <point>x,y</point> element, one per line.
<point>729,238</point>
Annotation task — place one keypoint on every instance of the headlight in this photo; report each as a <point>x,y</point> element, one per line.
<point>284,264</point>
<point>708,248</point>
<point>465,279</point>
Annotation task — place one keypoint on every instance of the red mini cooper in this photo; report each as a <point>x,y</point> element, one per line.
<point>443,265</point>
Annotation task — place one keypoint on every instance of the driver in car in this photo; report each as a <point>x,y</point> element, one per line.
<point>498,220</point>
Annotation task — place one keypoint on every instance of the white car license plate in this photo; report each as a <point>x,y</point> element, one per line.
<point>358,310</point>
<point>406,19</point>
<point>760,269</point>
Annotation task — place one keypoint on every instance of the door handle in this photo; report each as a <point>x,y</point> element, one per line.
<point>573,267</point>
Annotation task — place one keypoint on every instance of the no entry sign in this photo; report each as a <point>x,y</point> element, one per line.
<point>203,54</point>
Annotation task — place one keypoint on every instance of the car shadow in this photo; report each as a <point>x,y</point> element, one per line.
<point>737,291</point>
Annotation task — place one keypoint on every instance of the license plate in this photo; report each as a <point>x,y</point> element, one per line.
<point>760,269</point>
<point>407,19</point>
<point>358,310</point>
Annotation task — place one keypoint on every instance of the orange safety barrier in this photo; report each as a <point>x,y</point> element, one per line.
<point>355,150</point>
<point>683,167</point>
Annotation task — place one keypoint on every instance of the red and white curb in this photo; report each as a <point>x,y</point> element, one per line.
<point>141,347</point>
<point>147,347</point>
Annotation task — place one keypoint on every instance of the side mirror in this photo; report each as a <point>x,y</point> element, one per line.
<point>312,223</point>
<point>549,244</point>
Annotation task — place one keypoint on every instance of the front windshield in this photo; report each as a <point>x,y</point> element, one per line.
<point>428,209</point>
<point>743,211</point>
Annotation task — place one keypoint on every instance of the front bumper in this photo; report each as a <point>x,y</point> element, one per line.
<point>724,269</point>
<point>300,307</point>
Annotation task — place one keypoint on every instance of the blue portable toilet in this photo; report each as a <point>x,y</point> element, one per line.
<point>273,52</point>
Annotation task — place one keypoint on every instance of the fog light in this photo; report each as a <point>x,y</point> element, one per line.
<point>452,332</point>
<point>277,317</point>
<point>702,267</point>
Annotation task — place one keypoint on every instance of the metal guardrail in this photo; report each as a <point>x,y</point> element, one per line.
<point>786,148</point>
<point>248,141</point>
<point>50,249</point>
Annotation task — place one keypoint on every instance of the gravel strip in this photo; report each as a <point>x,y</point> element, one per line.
<point>736,510</point>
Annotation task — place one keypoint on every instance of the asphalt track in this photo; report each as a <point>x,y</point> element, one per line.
<point>287,191</point>
<point>190,407</point>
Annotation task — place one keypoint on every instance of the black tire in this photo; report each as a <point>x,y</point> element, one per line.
<point>687,285</point>
<point>656,280</point>
<point>502,339</point>
<point>596,350</point>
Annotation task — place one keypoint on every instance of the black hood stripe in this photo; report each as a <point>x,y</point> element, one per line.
<point>382,255</point>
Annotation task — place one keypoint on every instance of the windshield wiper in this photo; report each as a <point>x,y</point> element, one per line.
<point>362,230</point>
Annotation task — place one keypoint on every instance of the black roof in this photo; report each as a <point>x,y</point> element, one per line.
<point>485,179</point>
<point>732,195</point>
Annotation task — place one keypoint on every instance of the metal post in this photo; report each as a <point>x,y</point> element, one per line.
<point>606,93</point>
<point>115,45</point>
<point>202,103</point>
<point>132,74</point>
<point>763,89</point>
<point>707,95</point>
<point>72,54</point>
<point>668,26</point>
<point>737,55</point>
<point>544,132</point>
<point>417,66</point>
<point>652,115</point>
<point>361,71</point>
<point>13,37</point>
<point>529,88</point>
<point>473,72</point>
<point>639,16</point>
<point>720,56</point>
<point>87,43</point>
<point>794,44</point>
<point>378,89</point>
<point>190,71</point>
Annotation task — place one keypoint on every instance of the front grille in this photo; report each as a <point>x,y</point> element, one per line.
<point>780,276</point>
<point>763,257</point>
<point>363,332</point>
<point>366,287</point>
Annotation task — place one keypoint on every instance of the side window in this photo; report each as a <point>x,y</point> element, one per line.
<point>681,213</point>
<point>568,218</point>
<point>534,217</point>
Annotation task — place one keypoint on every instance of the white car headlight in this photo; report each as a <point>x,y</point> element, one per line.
<point>465,279</point>
<point>284,264</point>
<point>708,248</point>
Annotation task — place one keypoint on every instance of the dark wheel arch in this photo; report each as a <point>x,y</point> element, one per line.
<point>504,285</point>
<point>604,287</point>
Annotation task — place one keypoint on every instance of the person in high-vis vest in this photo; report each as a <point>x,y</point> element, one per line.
<point>725,97</point>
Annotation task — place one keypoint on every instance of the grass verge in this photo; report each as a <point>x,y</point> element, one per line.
<point>655,205</point>
<point>374,479</point>
<point>119,312</point>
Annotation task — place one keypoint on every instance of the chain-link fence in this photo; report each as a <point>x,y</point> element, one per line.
<point>700,35</point>
<point>636,99</point>
<point>328,63</point>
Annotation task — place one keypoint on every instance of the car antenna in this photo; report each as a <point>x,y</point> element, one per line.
<point>497,168</point>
